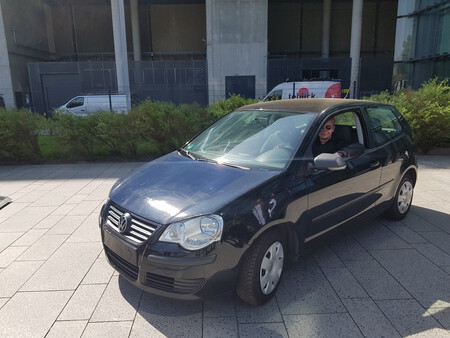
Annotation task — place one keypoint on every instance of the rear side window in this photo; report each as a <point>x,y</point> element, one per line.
<point>384,124</point>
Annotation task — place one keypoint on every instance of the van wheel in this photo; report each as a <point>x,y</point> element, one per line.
<point>262,269</point>
<point>402,199</point>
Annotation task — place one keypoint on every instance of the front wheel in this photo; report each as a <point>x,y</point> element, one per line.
<point>262,269</point>
<point>402,199</point>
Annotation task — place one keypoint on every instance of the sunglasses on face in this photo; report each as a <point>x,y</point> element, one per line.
<point>327,127</point>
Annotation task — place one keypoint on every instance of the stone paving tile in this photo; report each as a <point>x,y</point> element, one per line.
<point>419,224</point>
<point>25,219</point>
<point>343,283</point>
<point>220,327</point>
<point>348,249</point>
<point>440,239</point>
<point>65,269</point>
<point>43,248</point>
<point>88,231</point>
<point>67,329</point>
<point>411,319</point>
<point>10,254</point>
<point>330,325</point>
<point>442,315</point>
<point>167,317</point>
<point>15,275</point>
<point>100,272</point>
<point>433,253</point>
<point>376,281</point>
<point>326,258</point>
<point>30,237</point>
<point>6,239</point>
<point>83,302</point>
<point>108,330</point>
<point>3,302</point>
<point>119,302</point>
<point>31,314</point>
<point>48,222</point>
<point>304,289</point>
<point>376,236</point>
<point>275,330</point>
<point>405,233</point>
<point>67,225</point>
<point>414,271</point>
<point>369,318</point>
<point>223,306</point>
<point>267,313</point>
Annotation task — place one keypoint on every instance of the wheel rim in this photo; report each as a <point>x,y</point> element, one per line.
<point>405,195</point>
<point>271,268</point>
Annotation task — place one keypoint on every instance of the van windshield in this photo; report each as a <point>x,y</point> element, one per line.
<point>252,139</point>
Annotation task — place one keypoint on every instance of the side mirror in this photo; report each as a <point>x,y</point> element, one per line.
<point>329,161</point>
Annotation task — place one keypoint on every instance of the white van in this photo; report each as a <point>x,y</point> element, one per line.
<point>305,89</point>
<point>84,105</point>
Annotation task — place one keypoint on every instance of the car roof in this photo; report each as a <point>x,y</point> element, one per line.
<point>307,105</point>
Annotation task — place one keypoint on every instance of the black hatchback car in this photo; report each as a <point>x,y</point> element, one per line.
<point>227,210</point>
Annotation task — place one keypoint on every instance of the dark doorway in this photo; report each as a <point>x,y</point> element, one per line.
<point>242,85</point>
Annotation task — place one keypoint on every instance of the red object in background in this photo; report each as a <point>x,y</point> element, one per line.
<point>334,91</point>
<point>303,92</point>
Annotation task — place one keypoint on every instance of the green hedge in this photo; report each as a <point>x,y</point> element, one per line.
<point>153,128</point>
<point>148,130</point>
<point>427,110</point>
<point>19,131</point>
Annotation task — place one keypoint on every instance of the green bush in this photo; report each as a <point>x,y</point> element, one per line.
<point>19,135</point>
<point>225,106</point>
<point>427,110</point>
<point>117,134</point>
<point>168,124</point>
<point>78,135</point>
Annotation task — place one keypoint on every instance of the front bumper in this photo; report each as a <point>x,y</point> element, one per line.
<point>175,277</point>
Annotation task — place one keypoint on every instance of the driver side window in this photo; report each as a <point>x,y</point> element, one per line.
<point>77,102</point>
<point>337,133</point>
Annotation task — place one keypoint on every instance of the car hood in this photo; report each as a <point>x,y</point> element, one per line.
<point>174,187</point>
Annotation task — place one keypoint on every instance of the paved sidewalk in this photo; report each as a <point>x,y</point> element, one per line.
<point>383,278</point>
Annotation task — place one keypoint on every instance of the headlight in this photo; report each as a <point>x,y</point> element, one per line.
<point>195,233</point>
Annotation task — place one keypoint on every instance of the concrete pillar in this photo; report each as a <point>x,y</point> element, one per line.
<point>49,28</point>
<point>135,30</point>
<point>6,87</point>
<point>326,28</point>
<point>120,49</point>
<point>355,47</point>
<point>236,44</point>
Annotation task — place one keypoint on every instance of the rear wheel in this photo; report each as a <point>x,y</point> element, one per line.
<point>402,199</point>
<point>262,269</point>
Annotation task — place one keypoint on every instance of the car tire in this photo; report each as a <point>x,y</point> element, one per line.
<point>262,269</point>
<point>402,200</point>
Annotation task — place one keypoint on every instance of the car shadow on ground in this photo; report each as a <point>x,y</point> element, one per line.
<point>391,278</point>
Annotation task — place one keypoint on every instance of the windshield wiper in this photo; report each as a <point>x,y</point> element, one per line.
<point>204,159</point>
<point>187,153</point>
<point>234,165</point>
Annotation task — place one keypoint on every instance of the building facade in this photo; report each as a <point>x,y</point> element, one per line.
<point>422,46</point>
<point>188,51</point>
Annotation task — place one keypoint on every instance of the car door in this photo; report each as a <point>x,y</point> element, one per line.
<point>385,132</point>
<point>337,196</point>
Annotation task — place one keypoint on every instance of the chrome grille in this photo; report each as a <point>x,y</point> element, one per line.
<point>139,231</point>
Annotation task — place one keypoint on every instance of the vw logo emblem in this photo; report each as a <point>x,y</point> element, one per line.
<point>124,222</point>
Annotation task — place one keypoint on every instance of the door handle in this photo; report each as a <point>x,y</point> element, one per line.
<point>374,164</point>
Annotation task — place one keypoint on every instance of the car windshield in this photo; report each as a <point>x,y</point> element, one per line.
<point>251,139</point>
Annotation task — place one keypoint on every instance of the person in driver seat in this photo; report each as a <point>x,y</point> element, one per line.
<point>327,143</point>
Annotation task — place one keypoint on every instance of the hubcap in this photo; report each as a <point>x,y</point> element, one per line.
<point>405,195</point>
<point>271,268</point>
